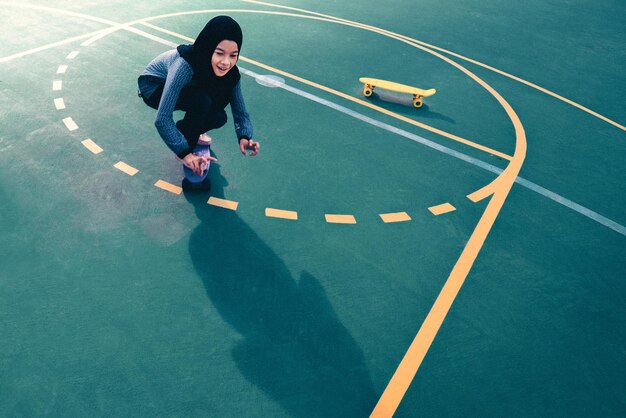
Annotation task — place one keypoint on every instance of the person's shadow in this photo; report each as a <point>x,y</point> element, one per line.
<point>294,348</point>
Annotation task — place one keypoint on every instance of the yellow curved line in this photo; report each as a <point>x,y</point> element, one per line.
<point>499,190</point>
<point>406,371</point>
<point>454,54</point>
<point>327,89</point>
<point>475,196</point>
<point>379,109</point>
<point>402,378</point>
<point>118,26</point>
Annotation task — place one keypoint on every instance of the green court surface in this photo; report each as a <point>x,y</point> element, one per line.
<point>463,259</point>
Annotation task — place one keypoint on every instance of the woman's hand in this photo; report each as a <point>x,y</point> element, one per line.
<point>197,163</point>
<point>248,144</point>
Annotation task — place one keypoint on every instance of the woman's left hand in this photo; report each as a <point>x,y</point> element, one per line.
<point>249,144</point>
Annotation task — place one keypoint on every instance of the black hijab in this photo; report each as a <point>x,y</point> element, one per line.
<point>199,55</point>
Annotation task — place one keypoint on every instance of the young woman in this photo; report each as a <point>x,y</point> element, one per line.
<point>200,79</point>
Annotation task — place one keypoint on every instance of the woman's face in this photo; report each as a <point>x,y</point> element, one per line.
<point>224,57</point>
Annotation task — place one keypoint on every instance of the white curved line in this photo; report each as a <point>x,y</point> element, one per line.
<point>478,163</point>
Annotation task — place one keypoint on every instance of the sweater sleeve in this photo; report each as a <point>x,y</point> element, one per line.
<point>243,125</point>
<point>179,74</point>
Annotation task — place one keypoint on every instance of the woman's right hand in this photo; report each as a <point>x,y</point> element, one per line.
<point>197,163</point>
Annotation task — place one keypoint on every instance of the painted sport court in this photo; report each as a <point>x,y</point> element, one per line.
<point>462,259</point>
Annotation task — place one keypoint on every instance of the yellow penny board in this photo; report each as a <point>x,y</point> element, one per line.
<point>371,83</point>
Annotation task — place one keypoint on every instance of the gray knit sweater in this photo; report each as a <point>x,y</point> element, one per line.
<point>176,73</point>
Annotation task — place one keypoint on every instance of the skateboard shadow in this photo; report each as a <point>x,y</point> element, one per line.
<point>403,105</point>
<point>293,345</point>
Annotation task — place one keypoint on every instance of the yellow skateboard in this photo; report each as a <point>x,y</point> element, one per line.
<point>370,83</point>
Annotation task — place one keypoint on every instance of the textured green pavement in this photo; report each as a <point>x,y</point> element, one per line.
<point>118,298</point>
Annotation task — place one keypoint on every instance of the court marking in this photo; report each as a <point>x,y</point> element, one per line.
<point>497,199</point>
<point>399,383</point>
<point>395,217</point>
<point>128,27</point>
<point>70,124</point>
<point>454,54</point>
<point>441,209</point>
<point>152,37</point>
<point>474,196</point>
<point>281,213</point>
<point>332,91</point>
<point>125,168</point>
<point>162,184</point>
<point>223,203</point>
<point>340,219</point>
<point>405,373</point>
<point>479,194</point>
<point>402,378</point>
<point>92,146</point>
<point>46,47</point>
<point>408,40</point>
<point>59,103</point>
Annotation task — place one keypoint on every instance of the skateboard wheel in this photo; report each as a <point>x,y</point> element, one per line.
<point>367,92</point>
<point>417,103</point>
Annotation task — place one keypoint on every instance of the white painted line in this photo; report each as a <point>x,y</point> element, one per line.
<point>70,124</point>
<point>478,163</point>
<point>62,69</point>
<point>61,11</point>
<point>573,205</point>
<point>105,32</point>
<point>57,85</point>
<point>379,124</point>
<point>45,47</point>
<point>270,81</point>
<point>72,55</point>
<point>59,104</point>
<point>150,36</point>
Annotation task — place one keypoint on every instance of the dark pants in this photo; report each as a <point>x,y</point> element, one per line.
<point>200,117</point>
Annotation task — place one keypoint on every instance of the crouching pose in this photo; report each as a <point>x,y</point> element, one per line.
<point>200,79</point>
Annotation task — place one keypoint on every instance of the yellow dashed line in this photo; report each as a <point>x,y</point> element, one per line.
<point>59,104</point>
<point>340,219</point>
<point>125,168</point>
<point>161,184</point>
<point>395,217</point>
<point>92,146</point>
<point>441,209</point>
<point>223,203</point>
<point>70,124</point>
<point>283,214</point>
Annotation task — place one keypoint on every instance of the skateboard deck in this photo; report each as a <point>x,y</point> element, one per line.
<point>418,94</point>
<point>202,150</point>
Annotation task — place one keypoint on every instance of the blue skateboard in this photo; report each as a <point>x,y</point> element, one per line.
<point>193,181</point>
